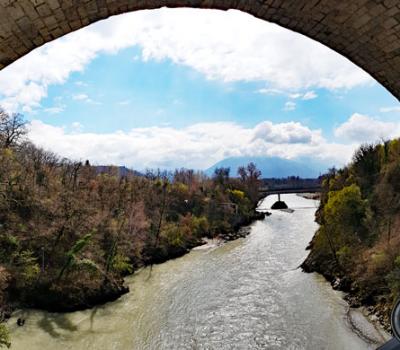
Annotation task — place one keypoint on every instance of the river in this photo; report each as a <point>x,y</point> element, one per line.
<point>244,294</point>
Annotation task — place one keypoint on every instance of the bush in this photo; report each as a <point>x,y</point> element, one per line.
<point>4,336</point>
<point>345,255</point>
<point>122,265</point>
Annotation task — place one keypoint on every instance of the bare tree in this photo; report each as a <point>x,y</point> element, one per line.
<point>12,128</point>
<point>250,177</point>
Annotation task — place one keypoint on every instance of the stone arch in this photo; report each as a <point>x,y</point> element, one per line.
<point>365,31</point>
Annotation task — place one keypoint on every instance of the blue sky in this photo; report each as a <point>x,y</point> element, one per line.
<point>157,89</point>
<point>128,94</point>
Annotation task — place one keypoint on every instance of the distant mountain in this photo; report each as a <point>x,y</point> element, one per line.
<point>275,166</point>
<point>122,170</point>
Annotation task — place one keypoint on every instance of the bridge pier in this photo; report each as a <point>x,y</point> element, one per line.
<point>279,204</point>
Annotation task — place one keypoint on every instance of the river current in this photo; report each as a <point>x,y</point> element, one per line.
<point>244,294</point>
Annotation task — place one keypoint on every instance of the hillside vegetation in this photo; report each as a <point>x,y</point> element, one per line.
<point>69,233</point>
<point>357,246</point>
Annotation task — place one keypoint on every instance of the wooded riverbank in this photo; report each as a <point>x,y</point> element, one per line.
<point>69,234</point>
<point>357,244</point>
<point>241,294</point>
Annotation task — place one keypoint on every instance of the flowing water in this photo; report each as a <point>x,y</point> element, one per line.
<point>245,294</point>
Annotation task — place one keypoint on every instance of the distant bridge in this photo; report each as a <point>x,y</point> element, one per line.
<point>264,191</point>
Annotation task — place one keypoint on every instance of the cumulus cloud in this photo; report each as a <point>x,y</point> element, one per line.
<point>197,146</point>
<point>290,133</point>
<point>362,128</point>
<point>229,46</point>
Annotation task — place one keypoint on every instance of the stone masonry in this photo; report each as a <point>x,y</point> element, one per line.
<point>365,31</point>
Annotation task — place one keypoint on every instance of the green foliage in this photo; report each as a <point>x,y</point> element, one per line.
<point>79,245</point>
<point>359,219</point>
<point>236,195</point>
<point>345,255</point>
<point>173,235</point>
<point>200,226</point>
<point>71,256</point>
<point>344,213</point>
<point>122,265</point>
<point>4,336</point>
<point>28,266</point>
<point>367,162</point>
<point>87,265</point>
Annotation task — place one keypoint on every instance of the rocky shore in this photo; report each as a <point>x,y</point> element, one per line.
<point>63,299</point>
<point>242,229</point>
<point>378,312</point>
<point>313,196</point>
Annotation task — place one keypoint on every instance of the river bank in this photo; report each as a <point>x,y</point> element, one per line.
<point>54,299</point>
<point>246,293</point>
<point>377,314</point>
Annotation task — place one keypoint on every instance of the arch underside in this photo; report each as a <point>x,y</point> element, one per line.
<point>365,31</point>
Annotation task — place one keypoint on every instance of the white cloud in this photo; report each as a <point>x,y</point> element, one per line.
<point>309,95</point>
<point>81,83</point>
<point>85,98</point>
<point>362,128</point>
<point>80,97</point>
<point>76,127</point>
<point>230,46</point>
<point>54,110</point>
<point>289,106</point>
<point>270,91</point>
<point>390,109</point>
<point>291,133</point>
<point>197,146</point>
